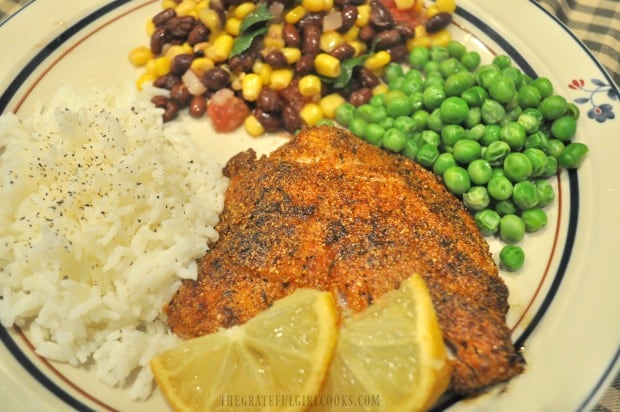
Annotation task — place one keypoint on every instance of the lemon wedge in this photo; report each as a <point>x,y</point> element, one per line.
<point>275,361</point>
<point>389,357</point>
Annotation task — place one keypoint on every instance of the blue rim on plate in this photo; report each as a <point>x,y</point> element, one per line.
<point>573,186</point>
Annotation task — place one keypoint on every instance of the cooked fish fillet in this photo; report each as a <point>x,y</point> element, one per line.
<point>332,212</point>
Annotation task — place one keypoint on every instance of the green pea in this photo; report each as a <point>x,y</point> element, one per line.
<point>572,155</point>
<point>456,49</point>
<point>471,60</point>
<point>491,134</point>
<point>399,106</point>
<point>515,74</point>
<point>377,100</point>
<point>476,198</point>
<point>374,133</point>
<point>344,113</point>
<point>416,100</point>
<point>551,168</point>
<point>444,161</point>
<point>512,114</point>
<point>451,134</point>
<point>357,126</point>
<point>394,71</point>
<point>524,195</point>
<point>544,86</point>
<point>555,147</point>
<point>545,192</point>
<point>475,96</point>
<point>430,137</point>
<point>411,84</point>
<point>449,67</point>
<point>378,114</point>
<point>411,149</point>
<point>511,228</point>
<point>458,82</point>
<point>538,159</point>
<point>387,123</point>
<point>505,207</point>
<point>475,132</point>
<point>512,257</point>
<point>480,171</point>
<point>439,53</point>
<point>537,140</point>
<point>395,84</point>
<point>418,57</point>
<point>453,110</point>
<point>513,133</point>
<point>414,74</point>
<point>502,89</point>
<point>534,219</point>
<point>364,112</point>
<point>487,221</point>
<point>530,119</point>
<point>553,107</point>
<point>564,128</point>
<point>434,121</point>
<point>430,67</point>
<point>517,166</point>
<point>486,74</point>
<point>573,110</point>
<point>465,151</point>
<point>427,155</point>
<point>492,111</point>
<point>405,124</point>
<point>496,152</point>
<point>394,140</point>
<point>433,96</point>
<point>419,119</point>
<point>500,188</point>
<point>529,96</point>
<point>502,61</point>
<point>433,80</point>
<point>457,180</point>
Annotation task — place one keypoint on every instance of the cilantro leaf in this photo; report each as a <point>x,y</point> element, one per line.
<point>346,70</point>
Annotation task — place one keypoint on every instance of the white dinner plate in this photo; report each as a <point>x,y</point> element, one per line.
<point>564,304</point>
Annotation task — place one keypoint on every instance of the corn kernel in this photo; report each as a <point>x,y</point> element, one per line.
<point>330,103</point>
<point>150,67</point>
<point>448,6</point>
<point>292,54</point>
<point>252,126</point>
<point>380,89</point>
<point>140,55</point>
<point>423,41</point>
<point>313,5</point>
<point>201,47</point>
<point>404,4</point>
<point>273,38</point>
<point>280,78</point>
<point>329,40</point>
<point>145,78</point>
<point>431,11</point>
<point>175,50</point>
<point>327,65</point>
<point>309,85</point>
<point>185,7</point>
<point>168,4</point>
<point>264,71</point>
<point>202,5</point>
<point>221,48</point>
<point>360,48</point>
<point>418,7</point>
<point>363,15</point>
<point>202,65</point>
<point>311,114</point>
<point>162,65</point>
<point>441,38</point>
<point>243,10</point>
<point>251,85</point>
<point>211,19</point>
<point>378,60</point>
<point>235,82</point>
<point>328,5</point>
<point>150,27</point>
<point>352,34</point>
<point>294,15</point>
<point>233,26</point>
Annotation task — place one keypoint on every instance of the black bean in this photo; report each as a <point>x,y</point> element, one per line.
<point>305,64</point>
<point>311,19</point>
<point>367,77</point>
<point>366,34</point>
<point>311,40</point>
<point>291,120</point>
<point>291,36</point>
<point>380,16</point>
<point>159,101</point>
<point>197,106</point>
<point>180,63</point>
<point>270,121</point>
<point>398,53</point>
<point>199,34</point>
<point>343,51</point>
<point>360,96</point>
<point>171,111</point>
<point>406,32</point>
<point>166,81</point>
<point>276,59</point>
<point>349,16</point>
<point>216,78</point>
<point>241,63</point>
<point>180,93</point>
<point>269,100</point>
<point>387,39</point>
<point>163,16</point>
<point>438,22</point>
<point>180,27</point>
<point>158,39</point>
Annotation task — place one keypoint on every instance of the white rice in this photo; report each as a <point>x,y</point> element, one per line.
<point>104,210</point>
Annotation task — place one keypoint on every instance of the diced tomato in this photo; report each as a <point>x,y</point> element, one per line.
<point>227,111</point>
<point>411,16</point>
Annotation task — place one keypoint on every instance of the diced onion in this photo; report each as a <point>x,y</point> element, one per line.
<point>194,85</point>
<point>333,21</point>
<point>276,9</point>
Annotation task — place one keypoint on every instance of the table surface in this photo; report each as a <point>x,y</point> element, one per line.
<point>597,24</point>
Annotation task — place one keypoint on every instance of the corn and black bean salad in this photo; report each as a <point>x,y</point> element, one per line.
<point>280,65</point>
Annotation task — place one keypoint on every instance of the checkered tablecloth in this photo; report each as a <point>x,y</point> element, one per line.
<point>597,24</point>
